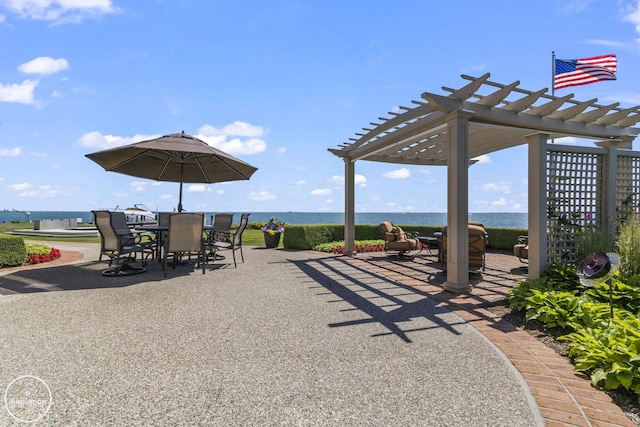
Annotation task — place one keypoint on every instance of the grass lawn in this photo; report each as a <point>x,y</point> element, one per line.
<point>250,237</point>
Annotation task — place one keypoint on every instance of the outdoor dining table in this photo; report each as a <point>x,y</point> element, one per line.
<point>159,231</point>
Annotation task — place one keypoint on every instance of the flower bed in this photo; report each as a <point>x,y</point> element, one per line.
<point>360,246</point>
<point>37,253</point>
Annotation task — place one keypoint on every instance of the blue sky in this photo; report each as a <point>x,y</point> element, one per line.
<point>275,83</point>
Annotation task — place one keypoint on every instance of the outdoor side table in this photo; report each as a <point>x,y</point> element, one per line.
<point>438,235</point>
<point>430,243</point>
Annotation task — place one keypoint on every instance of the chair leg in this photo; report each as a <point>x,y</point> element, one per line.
<point>164,263</point>
<point>241,255</point>
<point>233,250</point>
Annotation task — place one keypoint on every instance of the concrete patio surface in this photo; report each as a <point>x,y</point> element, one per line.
<point>287,338</point>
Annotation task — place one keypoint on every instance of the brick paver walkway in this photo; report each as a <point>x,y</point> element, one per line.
<point>565,397</point>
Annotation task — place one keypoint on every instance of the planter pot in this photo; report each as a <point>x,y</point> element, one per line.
<point>272,240</point>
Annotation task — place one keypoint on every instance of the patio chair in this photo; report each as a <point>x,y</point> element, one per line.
<point>478,240</point>
<point>120,244</point>
<point>521,249</point>
<point>222,222</point>
<point>399,242</point>
<point>230,240</point>
<point>185,236</point>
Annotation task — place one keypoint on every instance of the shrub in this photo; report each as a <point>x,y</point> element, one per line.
<point>306,237</point>
<point>591,240</point>
<point>12,251</point>
<point>629,247</point>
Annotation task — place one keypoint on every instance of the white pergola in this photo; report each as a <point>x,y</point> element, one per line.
<point>479,118</point>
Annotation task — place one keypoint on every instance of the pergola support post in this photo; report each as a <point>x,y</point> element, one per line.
<point>609,190</point>
<point>458,204</point>
<point>537,144</point>
<point>349,208</point>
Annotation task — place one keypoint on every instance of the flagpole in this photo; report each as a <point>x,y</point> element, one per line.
<point>553,72</point>
<point>553,78</point>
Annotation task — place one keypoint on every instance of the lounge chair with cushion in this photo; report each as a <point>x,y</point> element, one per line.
<point>120,244</point>
<point>397,241</point>
<point>521,249</point>
<point>477,246</point>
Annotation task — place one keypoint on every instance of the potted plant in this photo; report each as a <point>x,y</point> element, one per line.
<point>272,231</point>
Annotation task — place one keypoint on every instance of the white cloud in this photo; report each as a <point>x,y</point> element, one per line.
<point>329,200</point>
<point>500,202</point>
<point>44,191</point>
<point>20,93</point>
<point>166,196</point>
<point>500,186</point>
<point>261,196</point>
<point>40,154</point>
<point>10,152</point>
<point>475,68</point>
<point>282,150</point>
<point>633,16</point>
<point>567,140</point>
<point>235,138</point>
<point>197,188</point>
<point>138,186</point>
<point>44,65</point>
<point>20,187</point>
<point>402,173</point>
<point>60,11</point>
<point>321,192</point>
<point>359,180</point>
<point>608,43</point>
<point>483,160</point>
<point>97,140</point>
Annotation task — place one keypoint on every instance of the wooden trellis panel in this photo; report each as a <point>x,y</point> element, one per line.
<point>574,199</point>
<point>627,186</point>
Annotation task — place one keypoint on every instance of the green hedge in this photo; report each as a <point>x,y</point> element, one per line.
<point>12,251</point>
<point>305,237</point>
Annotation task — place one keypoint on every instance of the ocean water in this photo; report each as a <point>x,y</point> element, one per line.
<point>498,220</point>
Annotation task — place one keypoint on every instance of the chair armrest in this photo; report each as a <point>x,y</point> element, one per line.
<point>390,236</point>
<point>219,236</point>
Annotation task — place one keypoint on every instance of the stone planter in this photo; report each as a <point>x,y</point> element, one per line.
<point>271,240</point>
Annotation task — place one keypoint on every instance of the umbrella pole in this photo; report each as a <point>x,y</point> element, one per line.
<point>181,176</point>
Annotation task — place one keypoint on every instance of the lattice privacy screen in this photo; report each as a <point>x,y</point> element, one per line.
<point>574,200</point>
<point>627,187</point>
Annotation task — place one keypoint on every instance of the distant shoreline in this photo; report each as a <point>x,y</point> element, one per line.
<point>490,219</point>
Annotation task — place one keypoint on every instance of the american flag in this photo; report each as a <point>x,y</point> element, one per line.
<point>576,72</point>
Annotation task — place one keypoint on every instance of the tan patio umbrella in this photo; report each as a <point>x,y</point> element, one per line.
<point>175,158</point>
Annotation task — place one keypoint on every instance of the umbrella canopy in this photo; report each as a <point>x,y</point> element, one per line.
<point>175,158</point>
